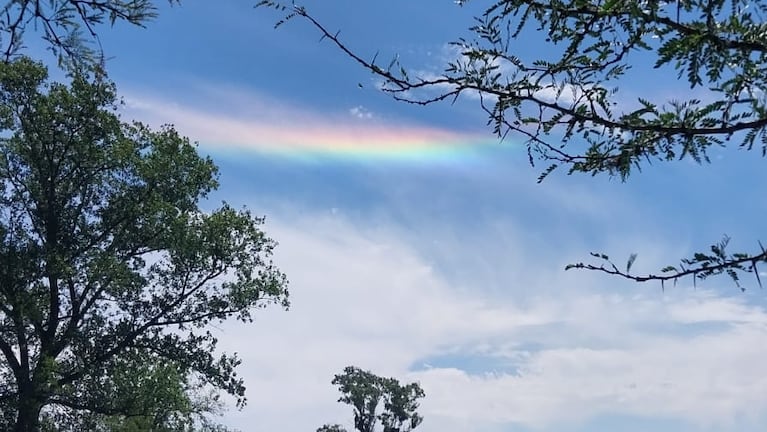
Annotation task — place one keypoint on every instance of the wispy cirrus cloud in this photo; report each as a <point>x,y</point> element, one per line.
<point>224,122</point>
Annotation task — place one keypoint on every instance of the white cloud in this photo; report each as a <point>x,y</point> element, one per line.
<point>364,296</point>
<point>710,309</point>
<point>361,112</point>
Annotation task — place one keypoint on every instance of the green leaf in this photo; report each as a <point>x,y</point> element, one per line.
<point>630,262</point>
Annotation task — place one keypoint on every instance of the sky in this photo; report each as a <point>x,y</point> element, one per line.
<point>419,246</point>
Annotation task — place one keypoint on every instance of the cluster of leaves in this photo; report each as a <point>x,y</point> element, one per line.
<point>68,26</point>
<point>567,103</point>
<point>365,392</point>
<point>139,393</point>
<point>107,261</point>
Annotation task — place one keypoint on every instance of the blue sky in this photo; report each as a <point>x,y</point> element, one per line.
<point>448,269</point>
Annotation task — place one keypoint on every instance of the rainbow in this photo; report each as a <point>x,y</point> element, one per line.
<point>297,136</point>
<point>345,144</point>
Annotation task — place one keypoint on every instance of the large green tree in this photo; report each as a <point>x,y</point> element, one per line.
<point>109,266</point>
<point>565,99</point>
<point>377,400</point>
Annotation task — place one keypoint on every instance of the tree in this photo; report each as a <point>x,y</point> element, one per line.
<point>110,270</point>
<point>567,104</point>
<point>160,397</point>
<point>365,392</point>
<point>331,428</point>
<point>69,26</point>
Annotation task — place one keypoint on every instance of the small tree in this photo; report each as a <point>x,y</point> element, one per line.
<point>365,392</point>
<point>109,267</point>
<point>331,428</point>
<point>565,102</point>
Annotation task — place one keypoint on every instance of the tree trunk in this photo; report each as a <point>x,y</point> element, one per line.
<point>28,416</point>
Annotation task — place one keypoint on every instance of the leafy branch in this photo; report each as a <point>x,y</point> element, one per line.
<point>699,266</point>
<point>68,26</point>
<point>571,101</point>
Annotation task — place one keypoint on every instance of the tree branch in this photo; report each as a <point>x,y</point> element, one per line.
<point>405,85</point>
<point>701,266</point>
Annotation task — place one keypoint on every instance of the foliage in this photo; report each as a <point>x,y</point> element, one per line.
<point>365,392</point>
<point>566,101</point>
<point>110,271</point>
<point>158,395</point>
<point>67,25</point>
<point>331,428</point>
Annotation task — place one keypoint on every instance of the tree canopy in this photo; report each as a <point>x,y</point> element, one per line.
<point>565,100</point>
<point>160,396</point>
<point>111,271</point>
